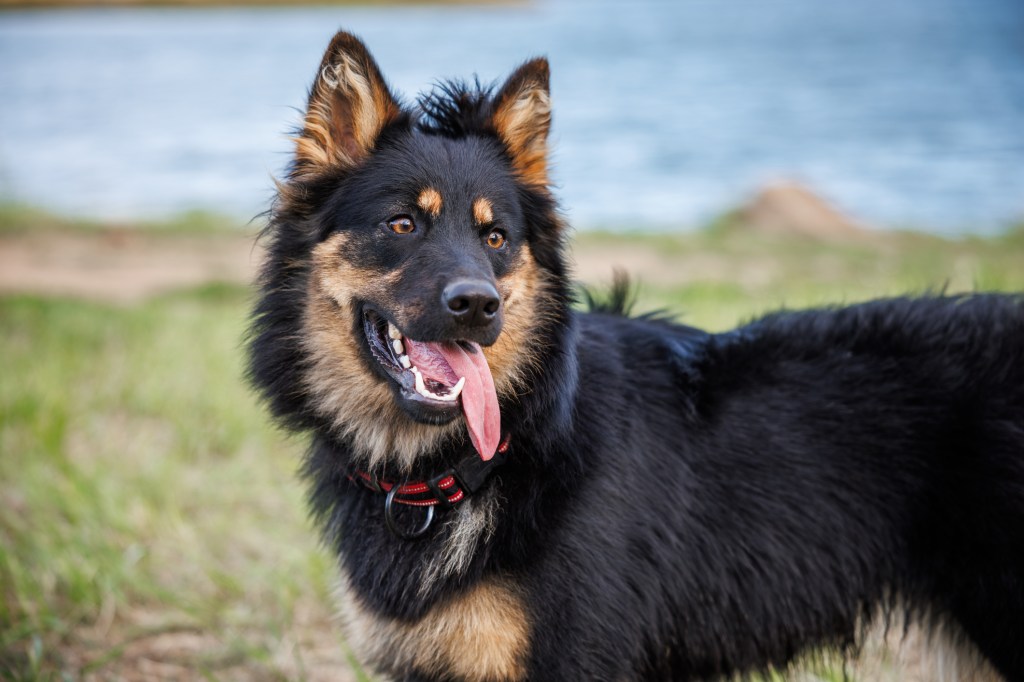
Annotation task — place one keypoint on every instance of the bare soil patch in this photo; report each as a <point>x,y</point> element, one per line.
<point>128,266</point>
<point>122,265</point>
<point>143,646</point>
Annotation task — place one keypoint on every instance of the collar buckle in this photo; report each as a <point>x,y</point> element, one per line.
<point>447,488</point>
<point>392,524</point>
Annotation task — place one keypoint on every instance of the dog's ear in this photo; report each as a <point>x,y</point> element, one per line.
<point>349,105</point>
<point>522,118</point>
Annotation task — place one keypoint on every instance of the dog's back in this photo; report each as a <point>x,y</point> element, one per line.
<point>746,492</point>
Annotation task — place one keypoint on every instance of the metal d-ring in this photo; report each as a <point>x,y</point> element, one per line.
<point>393,526</point>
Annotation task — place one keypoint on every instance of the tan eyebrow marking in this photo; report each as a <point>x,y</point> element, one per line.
<point>483,212</point>
<point>430,201</point>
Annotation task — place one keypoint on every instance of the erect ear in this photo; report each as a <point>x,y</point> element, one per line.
<point>349,105</point>
<point>522,118</point>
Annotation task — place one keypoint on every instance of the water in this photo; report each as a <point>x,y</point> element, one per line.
<point>903,112</point>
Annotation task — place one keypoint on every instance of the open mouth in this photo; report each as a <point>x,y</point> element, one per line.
<point>437,380</point>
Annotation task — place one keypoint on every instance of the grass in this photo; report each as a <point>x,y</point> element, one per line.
<point>18,219</point>
<point>715,279</point>
<point>151,523</point>
<point>143,493</point>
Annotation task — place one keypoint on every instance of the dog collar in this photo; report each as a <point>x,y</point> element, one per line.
<point>445,490</point>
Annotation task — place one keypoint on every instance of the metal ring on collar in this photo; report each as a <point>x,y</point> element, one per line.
<point>389,518</point>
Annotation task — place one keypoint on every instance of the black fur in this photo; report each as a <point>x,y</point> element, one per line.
<point>679,504</point>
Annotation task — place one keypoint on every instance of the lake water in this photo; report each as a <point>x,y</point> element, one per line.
<point>903,112</point>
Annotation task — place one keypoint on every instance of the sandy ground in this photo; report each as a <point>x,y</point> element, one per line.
<point>151,648</point>
<point>127,266</point>
<point>121,265</point>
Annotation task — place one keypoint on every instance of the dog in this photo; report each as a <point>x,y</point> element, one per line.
<point>519,490</point>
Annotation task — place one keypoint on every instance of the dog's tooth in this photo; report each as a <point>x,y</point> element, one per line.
<point>394,333</point>
<point>405,361</point>
<point>396,344</point>
<point>452,395</point>
<point>456,390</point>
<point>421,388</point>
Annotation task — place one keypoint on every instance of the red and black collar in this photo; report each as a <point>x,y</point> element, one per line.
<point>444,490</point>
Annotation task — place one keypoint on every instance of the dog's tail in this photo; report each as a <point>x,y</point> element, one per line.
<point>619,300</point>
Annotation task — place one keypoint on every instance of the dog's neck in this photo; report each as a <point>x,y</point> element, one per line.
<point>470,539</point>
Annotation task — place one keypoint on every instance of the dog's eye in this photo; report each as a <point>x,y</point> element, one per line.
<point>496,239</point>
<point>402,224</point>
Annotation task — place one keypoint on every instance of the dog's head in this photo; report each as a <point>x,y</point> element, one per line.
<point>415,260</point>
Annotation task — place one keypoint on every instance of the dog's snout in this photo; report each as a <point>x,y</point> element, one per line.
<point>472,302</point>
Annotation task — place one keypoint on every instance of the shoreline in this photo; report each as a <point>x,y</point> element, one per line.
<point>220,4</point>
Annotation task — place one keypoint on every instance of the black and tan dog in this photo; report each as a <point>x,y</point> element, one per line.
<point>520,491</point>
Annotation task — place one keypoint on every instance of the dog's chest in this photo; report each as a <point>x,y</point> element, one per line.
<point>477,635</point>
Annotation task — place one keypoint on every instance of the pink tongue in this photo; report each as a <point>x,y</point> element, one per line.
<point>479,399</point>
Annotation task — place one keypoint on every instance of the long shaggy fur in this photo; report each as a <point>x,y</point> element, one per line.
<point>676,504</point>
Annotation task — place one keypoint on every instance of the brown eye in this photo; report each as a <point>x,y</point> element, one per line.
<point>402,224</point>
<point>496,239</point>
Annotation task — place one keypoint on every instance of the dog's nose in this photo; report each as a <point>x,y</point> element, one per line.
<point>472,302</point>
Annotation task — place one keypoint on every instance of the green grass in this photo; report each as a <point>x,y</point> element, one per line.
<point>141,487</point>
<point>715,279</point>
<point>145,501</point>
<point>16,219</point>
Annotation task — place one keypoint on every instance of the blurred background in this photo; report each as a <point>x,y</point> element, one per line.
<point>906,113</point>
<point>734,156</point>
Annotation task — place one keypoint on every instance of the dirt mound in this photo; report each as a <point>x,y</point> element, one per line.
<point>121,265</point>
<point>789,208</point>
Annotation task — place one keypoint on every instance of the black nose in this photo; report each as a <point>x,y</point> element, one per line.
<point>471,301</point>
